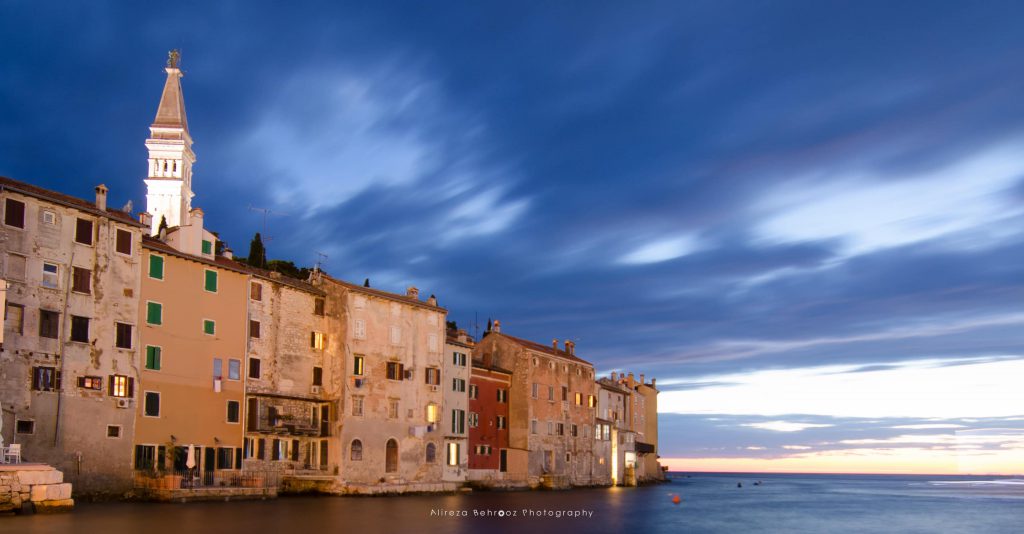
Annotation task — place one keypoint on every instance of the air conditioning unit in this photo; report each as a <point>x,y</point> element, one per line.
<point>433,388</point>
<point>216,384</point>
<point>124,403</point>
<point>314,390</point>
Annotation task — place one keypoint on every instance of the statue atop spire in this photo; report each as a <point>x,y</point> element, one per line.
<point>173,58</point>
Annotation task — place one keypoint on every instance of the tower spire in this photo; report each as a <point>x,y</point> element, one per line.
<point>169,183</point>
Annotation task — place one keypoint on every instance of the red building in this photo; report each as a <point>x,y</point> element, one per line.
<point>488,417</point>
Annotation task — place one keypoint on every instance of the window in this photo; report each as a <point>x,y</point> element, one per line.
<point>16,266</point>
<point>392,408</point>
<point>81,280</point>
<point>25,426</point>
<point>49,217</point>
<point>565,393</point>
<point>152,405</point>
<point>433,376</point>
<point>254,329</point>
<point>318,307</point>
<point>459,359</point>
<point>121,386</point>
<point>123,336</point>
<point>316,340</point>
<point>210,281</point>
<point>255,291</point>
<point>233,409</point>
<point>473,389</point>
<point>396,335</point>
<point>357,365</point>
<point>458,385</point>
<point>83,231</point>
<point>474,419</point>
<point>458,421</point>
<point>551,428</point>
<point>574,430</point>
<point>591,401</point>
<point>51,273</point>
<point>432,413</point>
<point>49,324</point>
<point>113,431</point>
<point>152,358</point>
<point>207,246</point>
<point>15,318</point>
<point>224,457</point>
<point>431,455</point>
<point>579,399</point>
<point>234,369</point>
<point>357,406</point>
<point>123,244</point>
<point>79,329</point>
<point>502,395</point>
<point>502,422</point>
<point>14,213</point>
<point>536,390</point>
<point>209,327</point>
<point>254,367</point>
<point>154,313</point>
<point>218,368</point>
<point>90,382</point>
<point>533,426</point>
<point>560,429</point>
<point>45,379</point>
<point>391,456</point>
<point>318,376</point>
<point>432,342</point>
<point>551,393</point>
<point>395,371</point>
<point>355,450</point>
<point>156,267</point>
<point>453,453</point>
<point>360,329</point>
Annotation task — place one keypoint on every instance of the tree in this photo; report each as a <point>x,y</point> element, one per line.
<point>163,225</point>
<point>452,325</point>
<point>366,283</point>
<point>257,253</point>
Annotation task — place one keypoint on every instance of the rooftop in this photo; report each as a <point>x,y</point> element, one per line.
<point>537,347</point>
<point>66,200</point>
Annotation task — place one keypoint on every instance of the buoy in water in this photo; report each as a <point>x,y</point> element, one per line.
<point>676,499</point>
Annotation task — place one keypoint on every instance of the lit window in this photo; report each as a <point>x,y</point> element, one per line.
<point>432,413</point>
<point>120,386</point>
<point>453,453</point>
<point>357,365</point>
<point>316,340</point>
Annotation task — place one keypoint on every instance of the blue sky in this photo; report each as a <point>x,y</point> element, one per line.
<point>723,195</point>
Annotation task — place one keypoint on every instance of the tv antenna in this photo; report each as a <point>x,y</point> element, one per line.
<point>321,259</point>
<point>266,212</point>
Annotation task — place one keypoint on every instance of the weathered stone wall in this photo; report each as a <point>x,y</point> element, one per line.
<point>70,425</point>
<point>35,488</point>
<point>455,400</point>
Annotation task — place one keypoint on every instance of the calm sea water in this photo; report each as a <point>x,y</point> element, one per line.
<point>710,503</point>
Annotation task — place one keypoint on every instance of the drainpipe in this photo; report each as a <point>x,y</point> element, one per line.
<point>60,346</point>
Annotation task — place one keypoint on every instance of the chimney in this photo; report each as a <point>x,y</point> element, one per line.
<point>497,326</point>
<point>413,293</point>
<point>432,300</point>
<point>554,343</point>
<point>146,219</point>
<point>641,378</point>
<point>631,379</point>
<point>228,254</point>
<point>613,375</point>
<point>196,214</point>
<point>101,197</point>
<point>570,347</point>
<point>653,384</point>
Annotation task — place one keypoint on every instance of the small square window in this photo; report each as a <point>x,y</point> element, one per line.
<point>153,358</point>
<point>120,386</point>
<point>207,247</point>
<point>210,283</point>
<point>254,329</point>
<point>83,231</point>
<point>81,280</point>
<point>156,267</point>
<point>255,291</point>
<point>233,408</point>
<point>152,407</point>
<point>22,426</point>
<point>209,327</point>
<point>113,431</point>
<point>90,382</point>
<point>15,318</point>
<point>16,266</point>
<point>79,329</point>
<point>51,274</point>
<point>254,367</point>
<point>154,313</point>
<point>123,336</point>
<point>49,324</point>
<point>318,307</point>
<point>14,213</point>
<point>234,369</point>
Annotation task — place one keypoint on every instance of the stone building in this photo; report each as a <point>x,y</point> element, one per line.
<point>488,436</point>
<point>68,373</point>
<point>644,423</point>
<point>457,388</point>
<point>613,408</point>
<point>293,380</point>
<point>392,346</point>
<point>551,411</point>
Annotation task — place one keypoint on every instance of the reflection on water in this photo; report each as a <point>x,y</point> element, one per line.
<point>710,503</point>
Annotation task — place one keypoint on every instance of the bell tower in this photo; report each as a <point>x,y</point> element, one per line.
<point>169,183</point>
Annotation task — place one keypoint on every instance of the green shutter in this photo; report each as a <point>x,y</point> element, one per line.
<point>154,313</point>
<point>209,327</point>
<point>207,247</point>
<point>211,281</point>
<point>153,358</point>
<point>156,267</point>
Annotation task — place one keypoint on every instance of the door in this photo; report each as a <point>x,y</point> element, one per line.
<point>503,460</point>
<point>325,421</point>
<point>209,463</point>
<point>391,457</point>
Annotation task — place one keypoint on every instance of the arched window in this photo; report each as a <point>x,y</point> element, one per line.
<point>355,451</point>
<point>391,457</point>
<point>431,453</point>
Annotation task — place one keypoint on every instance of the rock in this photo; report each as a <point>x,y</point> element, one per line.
<point>50,507</point>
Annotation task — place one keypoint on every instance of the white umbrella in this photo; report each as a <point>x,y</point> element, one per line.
<point>190,457</point>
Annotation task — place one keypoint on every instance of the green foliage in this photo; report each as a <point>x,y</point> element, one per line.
<point>258,253</point>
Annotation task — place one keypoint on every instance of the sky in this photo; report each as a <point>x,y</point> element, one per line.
<point>804,219</point>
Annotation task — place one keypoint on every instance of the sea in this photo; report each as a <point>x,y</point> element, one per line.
<point>725,503</point>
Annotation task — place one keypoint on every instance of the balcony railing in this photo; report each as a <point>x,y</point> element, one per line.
<point>195,479</point>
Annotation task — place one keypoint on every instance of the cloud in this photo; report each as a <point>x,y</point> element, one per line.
<point>660,250</point>
<point>785,426</point>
